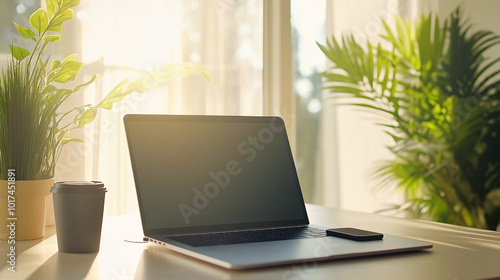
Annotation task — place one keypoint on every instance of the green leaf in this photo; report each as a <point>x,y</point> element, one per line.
<point>49,89</point>
<point>25,32</point>
<point>72,56</point>
<point>372,107</point>
<point>65,141</point>
<point>52,38</point>
<point>87,117</point>
<point>128,86</point>
<point>56,24</point>
<point>43,68</point>
<point>85,84</point>
<point>71,3</point>
<point>55,64</point>
<point>52,6</point>
<point>67,70</point>
<point>334,77</point>
<point>18,52</point>
<point>179,70</point>
<point>117,94</point>
<point>345,89</point>
<point>39,20</point>
<point>55,28</point>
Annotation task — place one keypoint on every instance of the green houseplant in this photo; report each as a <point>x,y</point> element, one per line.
<point>441,97</point>
<point>32,129</point>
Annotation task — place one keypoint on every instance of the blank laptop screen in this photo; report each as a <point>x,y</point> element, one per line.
<point>200,173</point>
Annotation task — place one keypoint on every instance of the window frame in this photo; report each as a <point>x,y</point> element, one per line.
<point>279,96</point>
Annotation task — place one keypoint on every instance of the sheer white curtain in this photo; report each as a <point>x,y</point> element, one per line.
<point>119,36</point>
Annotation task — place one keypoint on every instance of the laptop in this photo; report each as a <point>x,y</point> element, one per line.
<point>224,189</point>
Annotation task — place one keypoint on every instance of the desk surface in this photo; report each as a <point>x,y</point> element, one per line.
<point>458,253</point>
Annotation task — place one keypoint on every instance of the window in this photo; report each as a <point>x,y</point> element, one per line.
<point>334,147</point>
<point>119,37</point>
<point>308,20</point>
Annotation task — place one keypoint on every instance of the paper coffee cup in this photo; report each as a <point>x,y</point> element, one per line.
<point>78,209</point>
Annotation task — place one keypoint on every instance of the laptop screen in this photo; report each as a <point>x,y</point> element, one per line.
<point>208,173</point>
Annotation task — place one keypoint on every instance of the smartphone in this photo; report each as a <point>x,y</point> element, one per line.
<point>354,234</point>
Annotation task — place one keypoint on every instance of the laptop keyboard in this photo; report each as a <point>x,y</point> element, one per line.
<point>225,238</point>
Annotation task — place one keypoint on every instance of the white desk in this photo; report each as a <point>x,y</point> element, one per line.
<point>458,253</point>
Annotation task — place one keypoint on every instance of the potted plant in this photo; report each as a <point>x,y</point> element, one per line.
<point>33,130</point>
<point>441,97</point>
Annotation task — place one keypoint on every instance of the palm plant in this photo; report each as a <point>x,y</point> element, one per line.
<point>440,96</point>
<point>32,129</point>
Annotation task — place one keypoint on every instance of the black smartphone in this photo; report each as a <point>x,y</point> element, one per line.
<point>354,234</point>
